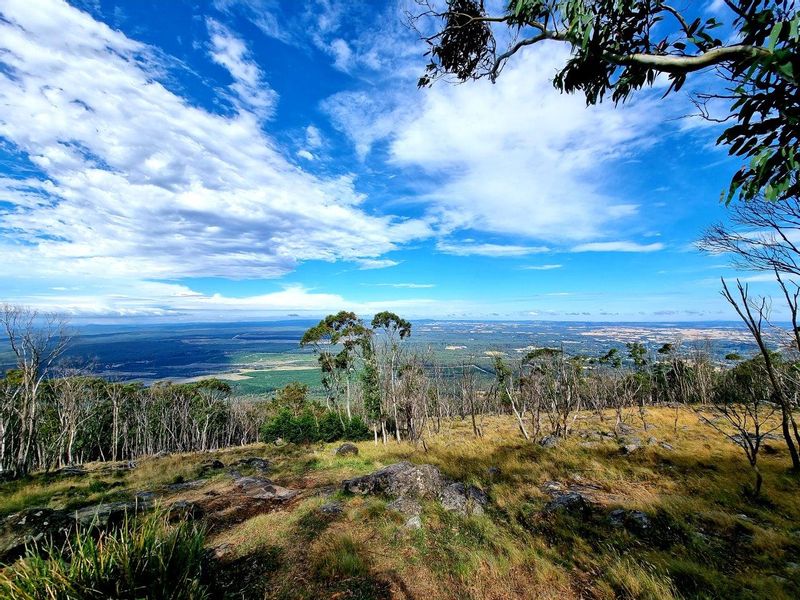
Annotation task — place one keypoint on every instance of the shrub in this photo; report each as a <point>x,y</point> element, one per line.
<point>304,429</point>
<point>330,427</point>
<point>146,557</point>
<point>280,426</point>
<point>356,429</point>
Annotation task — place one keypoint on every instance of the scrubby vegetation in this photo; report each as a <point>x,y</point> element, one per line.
<point>639,473</point>
<point>668,520</point>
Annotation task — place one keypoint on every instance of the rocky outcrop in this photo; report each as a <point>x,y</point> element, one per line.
<point>463,499</point>
<point>399,480</point>
<point>45,525</point>
<point>409,483</point>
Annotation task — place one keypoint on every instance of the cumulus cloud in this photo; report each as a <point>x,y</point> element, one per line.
<point>134,180</point>
<point>518,157</point>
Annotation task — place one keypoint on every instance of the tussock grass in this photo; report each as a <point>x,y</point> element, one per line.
<point>144,558</point>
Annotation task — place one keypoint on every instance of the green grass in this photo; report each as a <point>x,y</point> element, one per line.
<point>144,558</point>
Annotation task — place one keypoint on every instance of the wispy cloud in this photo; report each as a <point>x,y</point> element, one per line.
<point>376,263</point>
<point>495,250</point>
<point>619,246</point>
<point>248,84</point>
<point>541,267</point>
<point>135,180</point>
<point>414,286</point>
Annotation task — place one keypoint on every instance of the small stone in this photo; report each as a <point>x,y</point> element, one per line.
<point>548,441</point>
<point>347,449</point>
<point>332,508</point>
<point>493,473</point>
<point>573,503</point>
<point>254,462</point>
<point>666,446</point>
<point>414,523</point>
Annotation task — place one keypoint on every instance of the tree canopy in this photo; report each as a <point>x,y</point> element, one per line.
<point>621,46</point>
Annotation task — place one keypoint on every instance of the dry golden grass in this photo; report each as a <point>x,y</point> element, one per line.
<point>714,541</point>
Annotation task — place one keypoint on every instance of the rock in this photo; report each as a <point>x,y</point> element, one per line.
<point>414,523</point>
<point>180,486</point>
<point>161,454</point>
<point>651,441</point>
<point>254,462</point>
<point>666,446</point>
<point>635,521</point>
<point>399,480</point>
<point>623,429</point>
<point>279,442</point>
<point>258,488</point>
<point>410,483</point>
<point>347,450</point>
<point>463,499</point>
<point>493,473</point>
<point>573,503</point>
<point>566,500</point>
<point>548,441</point>
<point>332,508</point>
<point>31,526</point>
<point>630,445</point>
<point>110,513</point>
<point>183,510</point>
<point>212,465</point>
<point>406,506</point>
<point>72,471</point>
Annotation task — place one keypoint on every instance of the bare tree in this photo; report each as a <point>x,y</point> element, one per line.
<point>754,314</point>
<point>744,413</point>
<point>37,341</point>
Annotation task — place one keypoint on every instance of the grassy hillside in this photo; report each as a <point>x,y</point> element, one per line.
<point>687,528</point>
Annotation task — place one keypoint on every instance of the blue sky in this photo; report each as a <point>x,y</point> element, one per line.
<point>258,158</point>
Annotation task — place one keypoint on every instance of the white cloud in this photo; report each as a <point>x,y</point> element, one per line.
<point>231,53</point>
<point>413,286</point>
<point>619,246</point>
<point>541,267</point>
<point>313,137</point>
<point>518,157</point>
<point>157,299</point>
<point>140,183</point>
<point>376,263</point>
<point>494,250</point>
<point>305,154</point>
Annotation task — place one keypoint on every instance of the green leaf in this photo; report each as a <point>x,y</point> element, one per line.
<point>774,35</point>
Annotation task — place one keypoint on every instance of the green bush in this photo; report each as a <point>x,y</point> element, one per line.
<point>280,426</point>
<point>306,428</point>
<point>330,427</point>
<point>146,557</point>
<point>356,430</point>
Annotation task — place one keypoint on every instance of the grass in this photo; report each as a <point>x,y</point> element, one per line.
<point>144,558</point>
<point>708,538</point>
